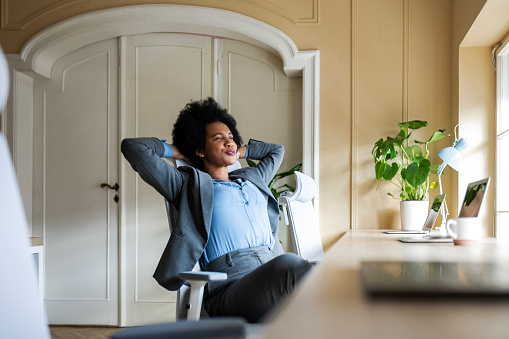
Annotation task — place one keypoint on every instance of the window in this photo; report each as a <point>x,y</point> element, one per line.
<point>502,144</point>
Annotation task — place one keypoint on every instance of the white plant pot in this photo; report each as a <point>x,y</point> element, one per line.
<point>413,214</point>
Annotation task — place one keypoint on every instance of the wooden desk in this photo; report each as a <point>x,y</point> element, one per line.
<point>330,302</point>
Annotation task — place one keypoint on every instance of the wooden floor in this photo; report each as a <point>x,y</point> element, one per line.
<point>79,332</point>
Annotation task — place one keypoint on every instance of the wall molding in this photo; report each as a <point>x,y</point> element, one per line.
<point>313,18</point>
<point>353,126</point>
<point>23,24</point>
<point>406,60</point>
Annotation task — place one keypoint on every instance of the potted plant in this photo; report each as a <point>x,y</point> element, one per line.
<point>407,167</point>
<point>276,191</point>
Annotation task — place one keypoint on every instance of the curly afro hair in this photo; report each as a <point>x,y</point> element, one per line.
<point>189,129</point>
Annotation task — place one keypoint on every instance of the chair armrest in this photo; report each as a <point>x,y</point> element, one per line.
<point>198,280</point>
<point>202,276</point>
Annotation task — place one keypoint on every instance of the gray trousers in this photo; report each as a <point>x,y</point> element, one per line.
<point>257,282</point>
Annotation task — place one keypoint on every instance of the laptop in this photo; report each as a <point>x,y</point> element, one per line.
<point>430,220</point>
<point>472,203</point>
<point>404,278</point>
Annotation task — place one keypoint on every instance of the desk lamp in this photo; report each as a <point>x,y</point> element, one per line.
<point>451,156</point>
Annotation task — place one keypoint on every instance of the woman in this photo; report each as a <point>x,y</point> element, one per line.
<point>227,221</point>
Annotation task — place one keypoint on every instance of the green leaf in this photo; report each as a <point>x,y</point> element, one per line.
<point>416,174</point>
<point>413,152</point>
<point>286,186</point>
<point>281,176</point>
<point>390,171</point>
<point>417,151</point>
<point>418,159</point>
<point>289,172</point>
<point>251,163</point>
<point>438,135</point>
<point>435,137</point>
<point>402,135</point>
<point>414,124</point>
<point>379,145</point>
<point>379,169</point>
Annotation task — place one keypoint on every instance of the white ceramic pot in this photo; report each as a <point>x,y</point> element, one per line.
<point>413,214</point>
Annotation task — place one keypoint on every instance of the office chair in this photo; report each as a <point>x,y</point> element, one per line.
<point>299,213</point>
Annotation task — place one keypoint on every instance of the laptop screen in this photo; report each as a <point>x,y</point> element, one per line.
<point>474,196</point>
<point>435,278</point>
<point>433,213</point>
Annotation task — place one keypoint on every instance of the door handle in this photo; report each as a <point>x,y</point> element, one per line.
<point>114,187</point>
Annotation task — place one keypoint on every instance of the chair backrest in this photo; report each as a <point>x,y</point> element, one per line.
<point>300,214</point>
<point>183,294</point>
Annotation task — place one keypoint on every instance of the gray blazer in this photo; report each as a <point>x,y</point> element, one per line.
<point>192,193</point>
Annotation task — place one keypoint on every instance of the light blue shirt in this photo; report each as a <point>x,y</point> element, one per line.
<point>239,219</point>
<point>239,216</point>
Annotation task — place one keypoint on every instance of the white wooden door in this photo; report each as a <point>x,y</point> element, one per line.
<point>163,72</point>
<point>76,149</point>
<point>266,103</point>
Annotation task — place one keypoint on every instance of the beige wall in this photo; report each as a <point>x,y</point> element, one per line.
<point>382,61</point>
<point>483,25</point>
<point>477,111</point>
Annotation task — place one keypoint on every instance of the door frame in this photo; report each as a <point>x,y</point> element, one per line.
<point>40,53</point>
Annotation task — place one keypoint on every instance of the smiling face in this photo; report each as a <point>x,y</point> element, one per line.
<point>219,150</point>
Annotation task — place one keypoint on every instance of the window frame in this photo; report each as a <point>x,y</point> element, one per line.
<point>502,76</point>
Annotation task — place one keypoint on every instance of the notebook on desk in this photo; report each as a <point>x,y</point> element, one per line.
<point>474,197</point>
<point>430,220</point>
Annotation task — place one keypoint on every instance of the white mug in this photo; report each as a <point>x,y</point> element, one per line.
<point>464,230</point>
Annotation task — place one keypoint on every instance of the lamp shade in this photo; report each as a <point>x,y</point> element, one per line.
<point>452,155</point>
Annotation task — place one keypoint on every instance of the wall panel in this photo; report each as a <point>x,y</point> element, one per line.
<point>378,104</point>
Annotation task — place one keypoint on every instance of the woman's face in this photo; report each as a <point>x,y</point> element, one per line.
<point>219,149</point>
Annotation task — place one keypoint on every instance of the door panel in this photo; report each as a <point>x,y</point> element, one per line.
<point>164,72</point>
<point>266,103</point>
<point>79,152</point>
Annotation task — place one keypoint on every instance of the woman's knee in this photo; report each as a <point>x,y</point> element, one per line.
<point>291,265</point>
